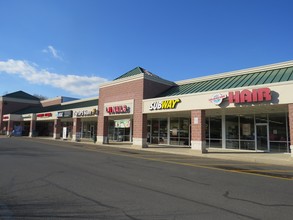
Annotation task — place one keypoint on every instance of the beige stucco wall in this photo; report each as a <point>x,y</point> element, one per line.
<point>280,95</point>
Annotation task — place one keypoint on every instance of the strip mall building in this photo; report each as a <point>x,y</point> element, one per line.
<point>250,109</point>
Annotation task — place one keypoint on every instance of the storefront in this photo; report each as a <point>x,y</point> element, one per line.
<point>169,130</point>
<point>44,124</point>
<point>265,130</point>
<point>66,124</point>
<point>86,119</point>
<point>258,125</point>
<point>120,119</point>
<point>166,127</point>
<point>250,110</point>
<point>254,118</point>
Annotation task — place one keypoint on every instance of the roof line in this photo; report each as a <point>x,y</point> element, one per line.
<point>237,72</point>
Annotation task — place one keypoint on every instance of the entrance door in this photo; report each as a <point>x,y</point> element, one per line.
<point>262,142</point>
<point>92,131</point>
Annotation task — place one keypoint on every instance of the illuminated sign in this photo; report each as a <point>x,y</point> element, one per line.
<point>65,114</point>
<point>5,117</point>
<point>120,109</point>
<point>217,98</point>
<point>44,115</point>
<point>27,116</point>
<point>83,113</point>
<point>247,96</point>
<point>165,104</point>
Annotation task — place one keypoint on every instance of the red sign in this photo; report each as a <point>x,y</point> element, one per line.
<point>6,117</point>
<point>117,109</point>
<point>247,96</point>
<point>41,115</point>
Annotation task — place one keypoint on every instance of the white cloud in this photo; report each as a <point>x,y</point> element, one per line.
<point>78,85</point>
<point>55,53</point>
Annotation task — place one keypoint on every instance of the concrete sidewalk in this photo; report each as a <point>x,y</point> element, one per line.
<point>283,159</point>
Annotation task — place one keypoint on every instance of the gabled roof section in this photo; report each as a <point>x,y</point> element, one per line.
<point>21,95</point>
<point>133,72</point>
<point>235,80</point>
<point>136,71</point>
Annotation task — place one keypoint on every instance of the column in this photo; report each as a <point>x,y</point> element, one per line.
<point>139,130</point>
<point>290,114</point>
<point>102,132</point>
<point>76,129</point>
<point>57,128</point>
<point>10,127</point>
<point>32,127</point>
<point>198,141</point>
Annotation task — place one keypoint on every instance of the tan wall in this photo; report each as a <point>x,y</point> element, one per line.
<point>201,100</point>
<point>51,102</point>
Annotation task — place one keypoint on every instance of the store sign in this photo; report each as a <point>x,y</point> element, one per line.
<point>165,104</point>
<point>5,117</point>
<point>83,113</point>
<point>120,109</point>
<point>247,96</point>
<point>44,115</point>
<point>27,116</point>
<point>65,114</point>
<point>217,99</point>
<point>124,123</point>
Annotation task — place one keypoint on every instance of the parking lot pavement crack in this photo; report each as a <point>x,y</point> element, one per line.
<point>189,180</point>
<point>227,195</point>
<point>92,200</point>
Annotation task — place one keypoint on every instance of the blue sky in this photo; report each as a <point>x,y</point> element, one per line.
<point>68,47</point>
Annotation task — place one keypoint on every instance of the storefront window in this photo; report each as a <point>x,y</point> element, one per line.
<point>88,129</point>
<point>247,138</point>
<point>214,132</point>
<point>155,131</point>
<point>174,134</point>
<point>261,118</point>
<point>278,130</point>
<point>178,133</point>
<point>184,131</point>
<point>119,130</point>
<point>163,139</point>
<point>265,132</point>
<point>232,132</point>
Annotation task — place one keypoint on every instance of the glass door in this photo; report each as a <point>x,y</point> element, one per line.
<point>262,143</point>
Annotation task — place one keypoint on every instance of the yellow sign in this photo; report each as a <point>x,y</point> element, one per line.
<point>165,104</point>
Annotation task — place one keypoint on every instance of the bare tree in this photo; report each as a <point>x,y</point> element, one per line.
<point>41,97</point>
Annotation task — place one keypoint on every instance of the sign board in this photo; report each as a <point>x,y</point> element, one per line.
<point>64,133</point>
<point>164,104</point>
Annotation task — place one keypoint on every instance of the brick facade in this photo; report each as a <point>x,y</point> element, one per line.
<point>136,90</point>
<point>7,106</point>
<point>198,130</point>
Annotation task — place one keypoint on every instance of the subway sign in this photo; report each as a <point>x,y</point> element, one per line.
<point>165,104</point>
